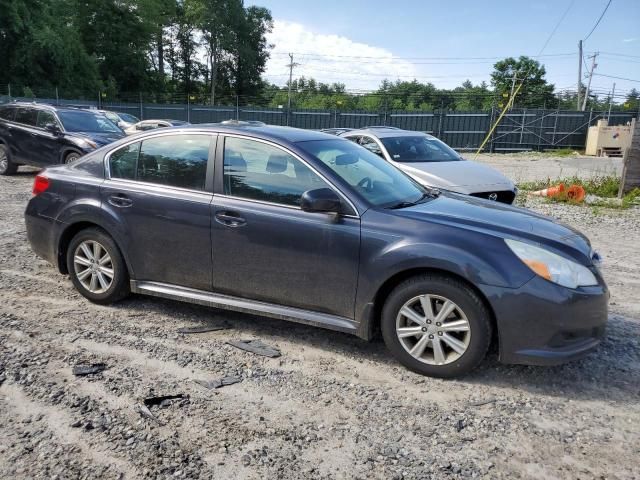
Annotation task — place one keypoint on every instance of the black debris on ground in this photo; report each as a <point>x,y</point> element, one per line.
<point>163,400</point>
<point>218,383</point>
<point>203,329</point>
<point>82,370</point>
<point>257,347</point>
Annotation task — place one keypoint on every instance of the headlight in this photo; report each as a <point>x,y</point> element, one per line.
<point>553,267</point>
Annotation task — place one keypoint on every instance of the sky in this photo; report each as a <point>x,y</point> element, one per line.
<point>359,43</point>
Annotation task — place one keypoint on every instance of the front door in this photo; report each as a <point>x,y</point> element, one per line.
<point>46,143</point>
<point>158,194</point>
<point>265,247</point>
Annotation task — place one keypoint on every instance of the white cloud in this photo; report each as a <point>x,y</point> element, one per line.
<point>629,40</point>
<point>326,58</point>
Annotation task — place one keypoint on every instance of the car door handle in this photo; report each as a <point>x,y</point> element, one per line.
<point>120,200</point>
<point>230,219</point>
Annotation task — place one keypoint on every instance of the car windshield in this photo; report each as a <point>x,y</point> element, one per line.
<point>418,149</point>
<point>87,122</point>
<point>128,118</point>
<point>378,181</point>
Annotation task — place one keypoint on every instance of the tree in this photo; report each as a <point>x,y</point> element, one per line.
<point>535,91</point>
<point>632,102</point>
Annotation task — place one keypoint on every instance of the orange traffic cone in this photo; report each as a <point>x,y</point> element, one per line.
<point>576,193</point>
<point>550,191</point>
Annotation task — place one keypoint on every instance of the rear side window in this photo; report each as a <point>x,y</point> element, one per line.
<point>172,160</point>
<point>123,162</point>
<point>7,113</point>
<point>27,116</point>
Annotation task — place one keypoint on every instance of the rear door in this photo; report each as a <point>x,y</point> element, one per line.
<point>24,133</point>
<point>159,191</point>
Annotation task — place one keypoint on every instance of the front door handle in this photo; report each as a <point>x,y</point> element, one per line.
<point>120,200</point>
<point>230,219</point>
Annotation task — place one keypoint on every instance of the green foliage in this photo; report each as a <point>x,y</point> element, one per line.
<point>535,90</point>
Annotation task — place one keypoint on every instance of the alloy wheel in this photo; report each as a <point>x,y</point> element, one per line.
<point>433,329</point>
<point>93,266</point>
<point>72,157</point>
<point>4,161</point>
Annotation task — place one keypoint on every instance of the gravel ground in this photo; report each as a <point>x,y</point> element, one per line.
<point>332,406</point>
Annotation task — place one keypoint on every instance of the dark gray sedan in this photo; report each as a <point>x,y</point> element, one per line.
<point>307,227</point>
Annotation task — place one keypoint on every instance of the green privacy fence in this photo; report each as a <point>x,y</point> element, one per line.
<point>519,129</point>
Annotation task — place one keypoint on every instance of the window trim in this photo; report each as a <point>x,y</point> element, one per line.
<point>219,190</point>
<point>208,184</point>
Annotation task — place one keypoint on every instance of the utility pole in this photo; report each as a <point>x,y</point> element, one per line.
<point>513,86</point>
<point>291,65</point>
<point>579,74</point>
<point>613,92</point>
<point>586,93</point>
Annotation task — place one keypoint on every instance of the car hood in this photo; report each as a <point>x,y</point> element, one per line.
<point>500,220</point>
<point>456,174</point>
<point>100,138</point>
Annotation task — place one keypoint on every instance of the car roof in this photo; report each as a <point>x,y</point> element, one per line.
<point>386,132</point>
<point>264,132</point>
<point>48,106</point>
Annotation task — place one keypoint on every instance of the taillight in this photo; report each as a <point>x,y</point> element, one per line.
<point>40,184</point>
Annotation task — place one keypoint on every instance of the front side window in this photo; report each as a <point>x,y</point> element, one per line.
<point>172,160</point>
<point>371,145</point>
<point>46,118</point>
<point>374,178</point>
<point>127,117</point>
<point>27,116</point>
<point>79,121</point>
<point>412,149</point>
<point>258,171</point>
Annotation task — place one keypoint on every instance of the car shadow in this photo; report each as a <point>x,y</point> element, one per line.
<point>612,372</point>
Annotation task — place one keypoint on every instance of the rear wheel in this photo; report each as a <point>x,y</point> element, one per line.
<point>436,325</point>
<point>7,167</point>
<point>96,267</point>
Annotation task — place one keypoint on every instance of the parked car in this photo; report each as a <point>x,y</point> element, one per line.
<point>145,125</point>
<point>312,228</point>
<point>121,119</point>
<point>243,122</point>
<point>336,131</point>
<point>42,135</point>
<point>433,163</point>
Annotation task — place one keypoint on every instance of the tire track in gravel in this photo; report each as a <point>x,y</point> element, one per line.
<point>58,421</point>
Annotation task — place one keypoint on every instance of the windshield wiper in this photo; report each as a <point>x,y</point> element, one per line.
<point>431,193</point>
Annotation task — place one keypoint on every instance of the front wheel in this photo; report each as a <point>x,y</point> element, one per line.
<point>96,267</point>
<point>71,157</point>
<point>436,325</point>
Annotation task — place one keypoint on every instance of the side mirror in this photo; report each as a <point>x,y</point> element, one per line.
<point>52,128</point>
<point>321,200</point>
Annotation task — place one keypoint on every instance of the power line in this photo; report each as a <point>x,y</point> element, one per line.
<point>309,54</point>
<point>618,78</point>
<point>598,22</point>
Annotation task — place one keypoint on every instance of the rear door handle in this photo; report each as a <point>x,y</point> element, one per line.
<point>230,219</point>
<point>120,200</point>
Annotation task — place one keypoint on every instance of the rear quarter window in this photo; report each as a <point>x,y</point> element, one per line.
<point>7,113</point>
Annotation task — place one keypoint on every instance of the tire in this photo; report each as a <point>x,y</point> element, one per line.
<point>71,157</point>
<point>116,287</point>
<point>7,167</point>
<point>450,359</point>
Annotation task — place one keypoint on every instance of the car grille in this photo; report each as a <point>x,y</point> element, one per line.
<point>502,196</point>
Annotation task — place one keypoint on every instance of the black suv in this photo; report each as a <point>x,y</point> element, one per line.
<point>42,135</point>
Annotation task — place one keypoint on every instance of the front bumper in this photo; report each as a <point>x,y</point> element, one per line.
<point>542,323</point>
